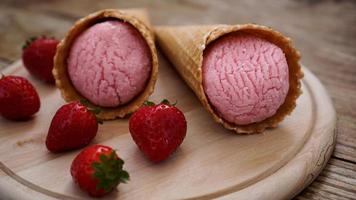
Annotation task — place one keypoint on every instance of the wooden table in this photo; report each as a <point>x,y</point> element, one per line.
<point>324,32</point>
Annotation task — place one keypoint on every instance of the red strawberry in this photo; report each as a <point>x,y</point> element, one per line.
<point>158,130</point>
<point>98,170</point>
<point>37,56</point>
<point>18,98</point>
<point>73,126</point>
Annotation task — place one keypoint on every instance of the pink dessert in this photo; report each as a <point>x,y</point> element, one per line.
<point>245,78</point>
<point>109,63</point>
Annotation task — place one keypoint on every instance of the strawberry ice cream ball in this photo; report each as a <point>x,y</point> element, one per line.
<point>109,63</point>
<point>245,78</point>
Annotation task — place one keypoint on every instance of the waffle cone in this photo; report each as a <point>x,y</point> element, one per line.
<point>137,18</point>
<point>184,46</point>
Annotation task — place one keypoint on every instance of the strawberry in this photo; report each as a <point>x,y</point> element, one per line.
<point>37,56</point>
<point>158,130</point>
<point>18,98</point>
<point>73,126</point>
<point>98,170</point>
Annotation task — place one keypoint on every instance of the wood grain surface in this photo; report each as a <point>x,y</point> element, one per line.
<point>323,30</point>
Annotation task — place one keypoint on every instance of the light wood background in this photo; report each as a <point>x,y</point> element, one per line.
<point>324,31</point>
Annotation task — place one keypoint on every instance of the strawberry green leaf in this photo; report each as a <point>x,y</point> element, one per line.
<point>84,102</point>
<point>29,41</point>
<point>109,171</point>
<point>165,101</point>
<point>124,176</point>
<point>93,109</point>
<point>175,103</point>
<point>148,103</point>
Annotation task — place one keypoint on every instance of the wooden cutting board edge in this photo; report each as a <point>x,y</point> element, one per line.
<point>298,173</point>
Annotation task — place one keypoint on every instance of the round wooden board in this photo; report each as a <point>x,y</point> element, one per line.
<point>212,162</point>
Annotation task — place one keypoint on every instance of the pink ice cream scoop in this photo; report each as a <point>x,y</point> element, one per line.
<point>109,63</point>
<point>245,78</point>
